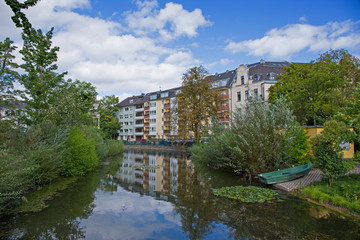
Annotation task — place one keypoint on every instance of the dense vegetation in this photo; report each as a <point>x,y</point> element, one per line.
<point>47,129</point>
<point>261,139</point>
<point>344,192</point>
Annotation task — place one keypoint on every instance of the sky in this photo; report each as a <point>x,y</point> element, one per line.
<point>130,47</point>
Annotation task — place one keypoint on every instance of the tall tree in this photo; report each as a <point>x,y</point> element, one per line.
<point>195,104</point>
<point>8,74</point>
<point>317,89</point>
<point>107,109</point>
<point>40,78</point>
<point>19,17</point>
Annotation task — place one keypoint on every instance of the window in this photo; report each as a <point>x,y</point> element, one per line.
<point>239,96</point>
<point>126,116</point>
<point>126,109</point>
<point>153,112</point>
<point>165,94</point>
<point>242,80</point>
<point>256,94</point>
<point>131,100</point>
<point>246,94</point>
<point>153,120</point>
<point>272,76</point>
<point>130,115</point>
<point>153,129</point>
<point>256,77</point>
<point>153,97</point>
<point>263,93</point>
<point>130,123</point>
<point>121,117</point>
<point>152,104</point>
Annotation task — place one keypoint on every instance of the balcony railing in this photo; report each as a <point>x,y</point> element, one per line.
<point>139,133</point>
<point>166,122</point>
<point>167,114</point>
<point>146,115</point>
<point>146,124</point>
<point>146,132</point>
<point>147,108</point>
<point>224,107</point>
<point>223,119</point>
<point>224,95</point>
<point>167,105</point>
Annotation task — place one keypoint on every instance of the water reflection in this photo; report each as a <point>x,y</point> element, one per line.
<point>149,195</point>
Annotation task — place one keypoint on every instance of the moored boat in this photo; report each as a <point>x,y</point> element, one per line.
<point>285,175</point>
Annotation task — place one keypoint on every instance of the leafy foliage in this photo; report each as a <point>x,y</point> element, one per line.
<point>80,155</point>
<point>248,194</point>
<point>107,109</point>
<point>345,192</point>
<point>318,89</point>
<point>19,17</point>
<point>262,140</point>
<point>196,104</point>
<point>115,147</point>
<point>327,150</point>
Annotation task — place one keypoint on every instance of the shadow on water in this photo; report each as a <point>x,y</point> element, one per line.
<point>149,195</point>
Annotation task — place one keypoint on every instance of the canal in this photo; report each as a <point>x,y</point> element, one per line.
<point>152,195</point>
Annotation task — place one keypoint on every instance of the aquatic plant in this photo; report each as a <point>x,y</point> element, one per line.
<point>248,194</point>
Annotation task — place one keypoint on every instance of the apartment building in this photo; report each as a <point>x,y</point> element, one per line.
<point>222,83</point>
<point>253,82</point>
<point>149,116</point>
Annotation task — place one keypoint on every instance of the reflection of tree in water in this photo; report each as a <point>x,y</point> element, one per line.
<point>62,219</point>
<point>111,166</point>
<point>194,205</point>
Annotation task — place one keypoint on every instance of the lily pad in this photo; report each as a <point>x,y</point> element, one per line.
<point>248,194</point>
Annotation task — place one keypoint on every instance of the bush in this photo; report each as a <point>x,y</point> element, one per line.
<point>115,147</point>
<point>327,150</point>
<point>81,156</point>
<point>15,178</point>
<point>262,140</point>
<point>101,147</point>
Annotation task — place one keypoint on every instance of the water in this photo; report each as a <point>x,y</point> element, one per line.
<point>169,199</point>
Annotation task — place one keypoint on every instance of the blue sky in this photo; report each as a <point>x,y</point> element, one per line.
<point>128,47</point>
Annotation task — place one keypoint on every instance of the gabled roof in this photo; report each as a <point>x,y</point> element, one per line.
<point>134,100</point>
<point>264,69</point>
<point>228,76</point>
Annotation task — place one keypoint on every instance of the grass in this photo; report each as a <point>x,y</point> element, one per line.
<point>344,193</point>
<point>36,201</point>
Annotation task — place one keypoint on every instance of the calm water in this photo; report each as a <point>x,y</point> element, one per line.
<point>148,195</point>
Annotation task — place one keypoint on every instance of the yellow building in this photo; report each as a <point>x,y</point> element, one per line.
<point>348,147</point>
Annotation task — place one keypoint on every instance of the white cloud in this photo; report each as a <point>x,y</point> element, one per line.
<point>223,61</point>
<point>150,20</point>
<point>118,58</point>
<point>288,40</point>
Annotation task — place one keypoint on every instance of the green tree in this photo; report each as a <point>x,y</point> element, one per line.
<point>318,89</point>
<point>40,78</point>
<point>72,103</point>
<point>327,150</point>
<point>19,17</point>
<point>109,123</point>
<point>195,104</point>
<point>8,75</point>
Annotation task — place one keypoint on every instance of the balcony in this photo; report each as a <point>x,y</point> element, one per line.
<point>146,124</point>
<point>167,105</point>
<point>147,107</point>
<point>224,96</point>
<point>167,132</point>
<point>139,117</point>
<point>167,114</point>
<point>139,133</point>
<point>139,125</point>
<point>166,122</point>
<point>224,107</point>
<point>223,119</point>
<point>146,132</point>
<point>146,115</point>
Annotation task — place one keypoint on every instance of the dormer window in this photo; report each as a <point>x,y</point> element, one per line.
<point>256,77</point>
<point>272,76</point>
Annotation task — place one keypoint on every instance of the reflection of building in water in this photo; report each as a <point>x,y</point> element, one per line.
<point>155,172</point>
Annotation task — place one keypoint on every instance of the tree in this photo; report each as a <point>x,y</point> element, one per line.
<point>327,150</point>
<point>107,109</point>
<point>195,104</point>
<point>8,75</point>
<point>318,89</point>
<point>19,17</point>
<point>40,78</point>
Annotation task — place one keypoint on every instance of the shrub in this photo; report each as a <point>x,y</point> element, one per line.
<point>327,150</point>
<point>80,155</point>
<point>260,140</point>
<point>115,147</point>
<point>101,147</point>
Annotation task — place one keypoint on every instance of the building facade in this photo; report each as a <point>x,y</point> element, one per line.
<point>150,116</point>
<point>253,82</point>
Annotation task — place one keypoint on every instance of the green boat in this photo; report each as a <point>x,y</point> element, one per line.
<point>285,175</point>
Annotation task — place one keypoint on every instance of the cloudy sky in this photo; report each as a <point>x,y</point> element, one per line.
<point>128,47</point>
